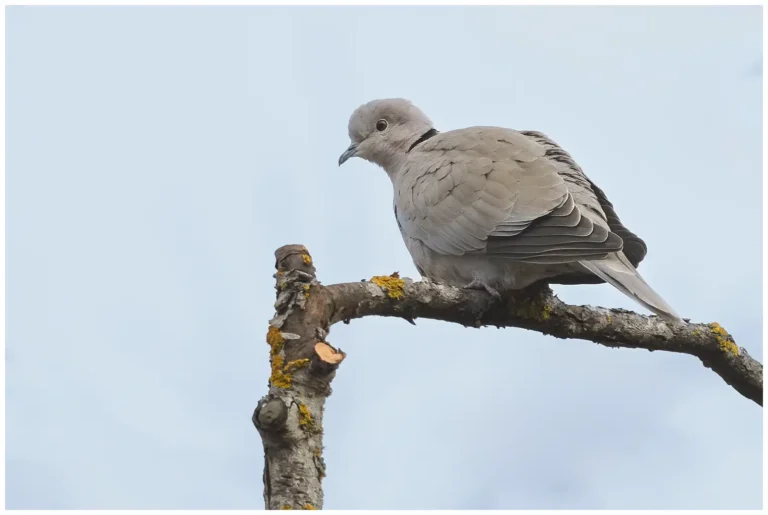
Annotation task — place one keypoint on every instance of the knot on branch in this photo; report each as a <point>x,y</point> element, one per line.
<point>270,415</point>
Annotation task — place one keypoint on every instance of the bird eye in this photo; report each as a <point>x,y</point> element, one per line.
<point>381,125</point>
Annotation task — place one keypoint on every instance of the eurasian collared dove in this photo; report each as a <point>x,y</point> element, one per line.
<point>495,208</point>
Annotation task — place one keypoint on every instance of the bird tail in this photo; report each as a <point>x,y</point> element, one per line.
<point>617,271</point>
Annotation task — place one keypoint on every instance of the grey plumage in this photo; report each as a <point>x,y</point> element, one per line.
<point>496,208</point>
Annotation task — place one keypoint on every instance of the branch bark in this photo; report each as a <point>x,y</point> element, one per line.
<point>289,417</point>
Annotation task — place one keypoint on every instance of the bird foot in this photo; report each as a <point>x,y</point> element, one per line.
<point>477,284</point>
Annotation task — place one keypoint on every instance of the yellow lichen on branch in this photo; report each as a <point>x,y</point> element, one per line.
<point>278,378</point>
<point>724,340</point>
<point>280,375</point>
<point>392,283</point>
<point>275,340</point>
<point>306,422</point>
<point>296,364</point>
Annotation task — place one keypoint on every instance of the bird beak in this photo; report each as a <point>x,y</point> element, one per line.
<point>350,152</point>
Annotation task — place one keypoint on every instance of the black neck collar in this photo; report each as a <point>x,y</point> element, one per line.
<point>424,137</point>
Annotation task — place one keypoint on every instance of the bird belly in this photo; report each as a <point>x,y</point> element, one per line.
<point>501,274</point>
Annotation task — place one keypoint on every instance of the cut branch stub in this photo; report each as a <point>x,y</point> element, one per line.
<point>327,359</point>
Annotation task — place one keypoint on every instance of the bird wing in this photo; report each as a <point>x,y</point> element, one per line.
<point>588,195</point>
<point>493,191</point>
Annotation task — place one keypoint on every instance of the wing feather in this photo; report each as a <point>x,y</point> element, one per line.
<point>634,248</point>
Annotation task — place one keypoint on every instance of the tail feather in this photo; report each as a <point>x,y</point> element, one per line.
<point>617,271</point>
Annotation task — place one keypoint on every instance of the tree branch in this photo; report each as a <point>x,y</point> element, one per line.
<point>540,310</point>
<point>290,417</point>
<point>306,310</point>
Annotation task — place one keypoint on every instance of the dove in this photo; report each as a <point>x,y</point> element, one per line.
<point>497,209</point>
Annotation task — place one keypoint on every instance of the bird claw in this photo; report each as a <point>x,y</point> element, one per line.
<point>477,284</point>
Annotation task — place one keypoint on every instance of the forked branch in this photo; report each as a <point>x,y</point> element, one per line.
<point>303,363</point>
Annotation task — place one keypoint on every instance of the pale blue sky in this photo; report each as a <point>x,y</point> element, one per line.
<point>158,156</point>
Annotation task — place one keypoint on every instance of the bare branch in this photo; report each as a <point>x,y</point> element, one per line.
<point>540,310</point>
<point>303,363</point>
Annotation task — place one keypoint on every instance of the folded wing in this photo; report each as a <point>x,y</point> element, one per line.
<point>587,193</point>
<point>494,191</point>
